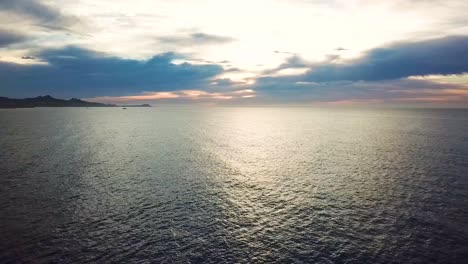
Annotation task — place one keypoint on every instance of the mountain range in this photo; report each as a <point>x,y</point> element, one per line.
<point>49,101</point>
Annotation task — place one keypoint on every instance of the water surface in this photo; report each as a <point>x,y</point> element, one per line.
<point>233,185</point>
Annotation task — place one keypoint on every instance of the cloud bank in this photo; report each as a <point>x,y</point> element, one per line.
<point>383,75</point>
<point>198,38</point>
<point>76,72</point>
<point>440,56</point>
<point>8,37</point>
<point>38,12</point>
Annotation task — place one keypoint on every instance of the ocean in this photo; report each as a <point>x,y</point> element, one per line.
<point>233,185</point>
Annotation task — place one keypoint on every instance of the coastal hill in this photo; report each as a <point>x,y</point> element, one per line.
<point>49,101</point>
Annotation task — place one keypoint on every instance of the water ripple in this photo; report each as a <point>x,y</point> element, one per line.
<point>233,185</point>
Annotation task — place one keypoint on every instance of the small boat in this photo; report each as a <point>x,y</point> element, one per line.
<point>124,108</point>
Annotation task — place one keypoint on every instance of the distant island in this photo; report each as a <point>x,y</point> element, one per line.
<point>49,101</point>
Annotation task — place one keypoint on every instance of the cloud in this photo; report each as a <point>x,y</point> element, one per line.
<point>207,38</point>
<point>178,96</point>
<point>437,56</point>
<point>294,62</point>
<point>226,84</point>
<point>76,72</point>
<point>33,9</point>
<point>291,63</point>
<point>232,70</point>
<point>8,37</point>
<point>400,91</point>
<point>194,39</point>
<point>392,74</point>
<point>284,52</point>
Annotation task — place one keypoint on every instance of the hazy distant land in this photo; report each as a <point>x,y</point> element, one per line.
<point>49,101</point>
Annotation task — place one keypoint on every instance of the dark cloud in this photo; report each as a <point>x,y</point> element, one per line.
<point>438,56</point>
<point>75,72</point>
<point>286,90</point>
<point>194,39</point>
<point>7,38</point>
<point>284,52</point>
<point>232,70</point>
<point>380,75</point>
<point>294,61</point>
<point>40,13</point>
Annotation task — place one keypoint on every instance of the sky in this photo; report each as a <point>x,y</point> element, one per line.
<point>243,52</point>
